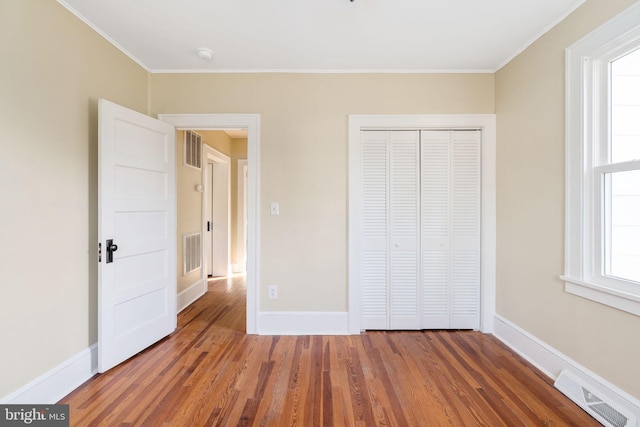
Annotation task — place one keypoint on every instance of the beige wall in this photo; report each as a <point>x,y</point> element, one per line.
<point>54,69</point>
<point>304,158</point>
<point>189,211</point>
<point>217,139</point>
<point>530,211</point>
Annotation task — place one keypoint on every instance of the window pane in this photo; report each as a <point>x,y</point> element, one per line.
<point>625,108</point>
<point>622,228</point>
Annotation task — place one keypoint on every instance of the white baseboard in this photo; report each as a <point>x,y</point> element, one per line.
<point>192,293</point>
<point>55,384</point>
<point>303,323</point>
<point>237,269</point>
<point>552,362</point>
<point>52,386</point>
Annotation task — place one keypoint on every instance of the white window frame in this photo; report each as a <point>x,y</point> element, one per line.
<point>587,160</point>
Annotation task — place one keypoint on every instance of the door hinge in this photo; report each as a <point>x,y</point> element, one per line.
<point>99,252</point>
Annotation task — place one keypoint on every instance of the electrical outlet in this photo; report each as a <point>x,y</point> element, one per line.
<point>273,292</point>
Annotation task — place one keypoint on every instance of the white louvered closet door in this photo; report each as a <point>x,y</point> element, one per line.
<point>450,229</point>
<point>420,229</point>
<point>390,229</point>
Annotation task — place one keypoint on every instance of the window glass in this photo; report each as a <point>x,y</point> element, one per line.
<point>622,228</point>
<point>625,108</point>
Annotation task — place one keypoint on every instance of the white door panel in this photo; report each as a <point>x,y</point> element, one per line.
<point>220,215</point>
<point>137,205</point>
<point>217,211</point>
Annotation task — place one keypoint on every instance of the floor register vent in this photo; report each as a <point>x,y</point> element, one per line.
<point>594,402</point>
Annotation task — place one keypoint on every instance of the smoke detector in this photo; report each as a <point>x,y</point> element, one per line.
<point>205,53</point>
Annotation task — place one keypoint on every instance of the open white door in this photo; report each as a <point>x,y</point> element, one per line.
<point>136,230</point>
<point>217,208</point>
<point>221,224</point>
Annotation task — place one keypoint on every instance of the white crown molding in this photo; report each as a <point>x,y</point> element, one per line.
<point>319,71</point>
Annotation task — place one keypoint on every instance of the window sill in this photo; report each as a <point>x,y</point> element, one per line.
<point>624,301</point>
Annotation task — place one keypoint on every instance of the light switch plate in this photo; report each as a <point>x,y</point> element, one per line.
<point>275,208</point>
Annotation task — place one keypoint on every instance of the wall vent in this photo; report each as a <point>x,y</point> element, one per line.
<point>594,401</point>
<point>192,149</point>
<point>191,253</point>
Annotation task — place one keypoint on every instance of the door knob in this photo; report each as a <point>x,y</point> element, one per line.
<point>111,248</point>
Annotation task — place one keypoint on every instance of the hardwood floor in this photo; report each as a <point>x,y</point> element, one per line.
<point>209,373</point>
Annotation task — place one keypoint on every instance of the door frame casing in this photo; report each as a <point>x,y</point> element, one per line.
<point>487,124</point>
<point>250,122</point>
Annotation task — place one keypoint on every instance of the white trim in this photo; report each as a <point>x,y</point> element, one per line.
<point>58,382</point>
<point>487,124</point>
<point>551,361</point>
<point>323,71</point>
<point>189,295</point>
<point>251,122</point>
<point>303,323</point>
<point>612,297</point>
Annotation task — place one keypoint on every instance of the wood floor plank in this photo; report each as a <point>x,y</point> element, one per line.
<point>210,373</point>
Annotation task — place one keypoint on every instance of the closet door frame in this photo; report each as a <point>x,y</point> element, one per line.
<point>486,123</point>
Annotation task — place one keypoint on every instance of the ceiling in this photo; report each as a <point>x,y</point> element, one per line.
<point>322,35</point>
<point>237,133</point>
